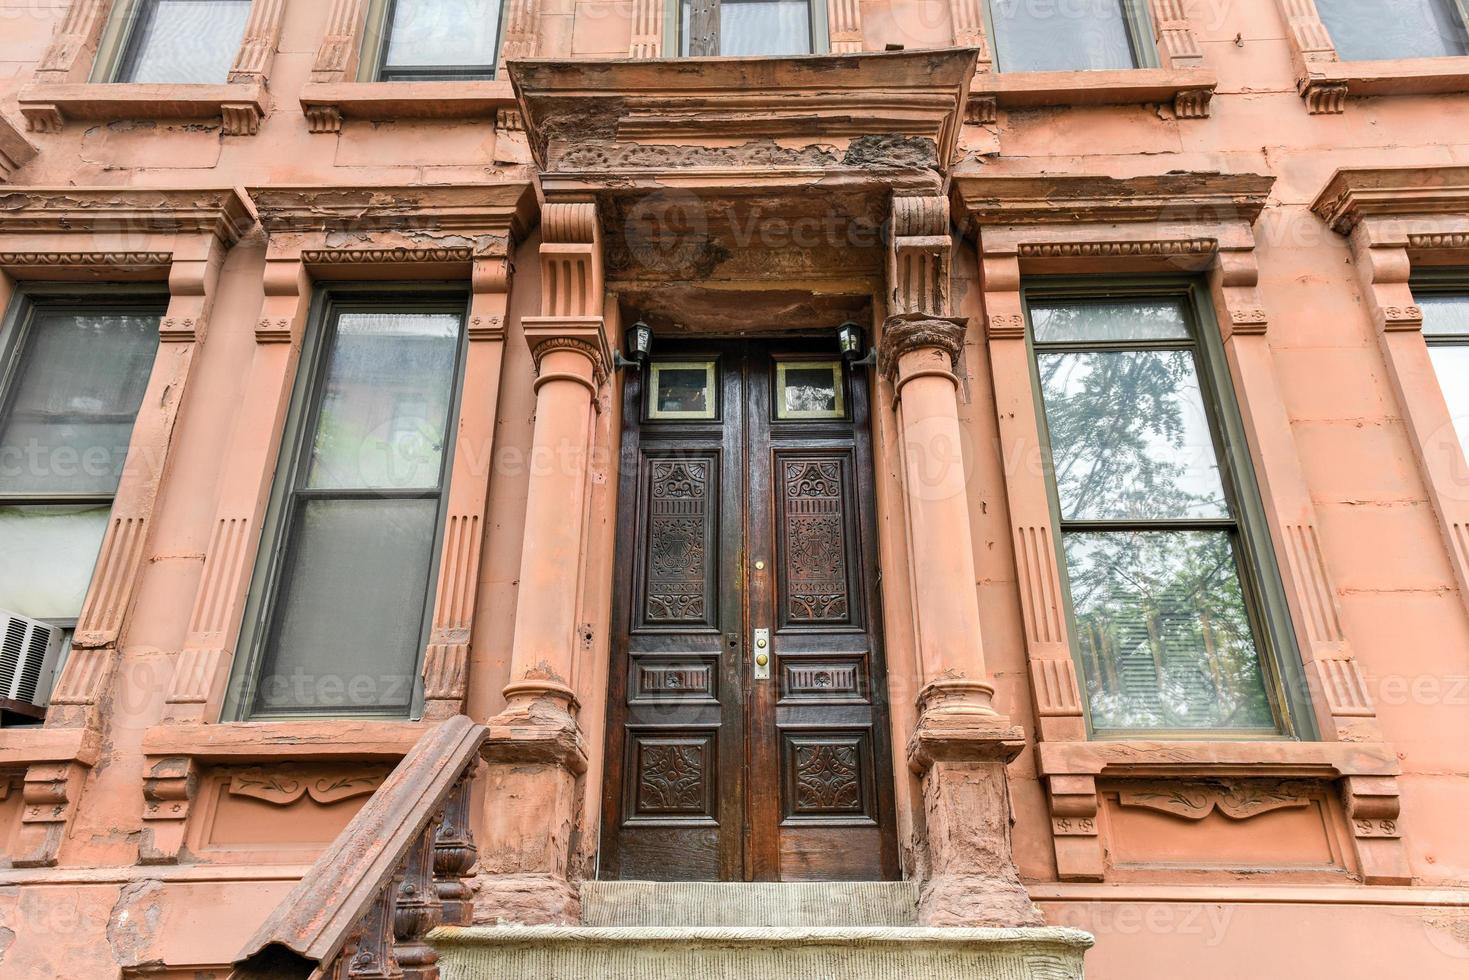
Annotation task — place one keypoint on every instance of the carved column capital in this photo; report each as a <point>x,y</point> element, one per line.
<point>581,335</point>
<point>908,332</point>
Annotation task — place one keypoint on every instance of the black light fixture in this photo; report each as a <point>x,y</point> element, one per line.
<point>850,340</point>
<point>639,345</point>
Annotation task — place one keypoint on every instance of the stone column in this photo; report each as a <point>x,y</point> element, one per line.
<point>961,744</point>
<point>536,751</point>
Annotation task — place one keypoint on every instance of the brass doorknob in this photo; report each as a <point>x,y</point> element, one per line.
<point>762,659</point>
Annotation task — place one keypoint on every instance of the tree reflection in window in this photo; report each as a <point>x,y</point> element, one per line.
<point>1165,636</point>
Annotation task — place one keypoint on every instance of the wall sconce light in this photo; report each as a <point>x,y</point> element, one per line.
<point>851,341</point>
<point>639,345</point>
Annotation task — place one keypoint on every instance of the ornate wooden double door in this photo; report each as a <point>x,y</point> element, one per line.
<point>747,723</point>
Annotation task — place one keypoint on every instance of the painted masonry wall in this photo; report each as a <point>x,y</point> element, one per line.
<point>99,913</point>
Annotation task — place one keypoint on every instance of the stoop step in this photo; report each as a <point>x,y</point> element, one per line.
<point>710,903</point>
<point>758,953</point>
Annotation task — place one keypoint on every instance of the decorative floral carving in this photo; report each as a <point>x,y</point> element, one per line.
<point>284,785</point>
<point>678,534</point>
<point>671,778</point>
<point>815,542</point>
<point>1238,800</point>
<point>828,778</point>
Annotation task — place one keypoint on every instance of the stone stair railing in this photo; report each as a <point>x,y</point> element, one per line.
<point>395,873</point>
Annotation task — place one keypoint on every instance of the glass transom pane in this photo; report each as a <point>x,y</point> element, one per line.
<point>809,390</point>
<point>351,608</point>
<point>1444,315</point>
<point>757,27</point>
<point>1031,36</point>
<point>49,553</point>
<point>186,41</point>
<point>385,402</point>
<point>682,390</point>
<point>1106,322</point>
<point>1366,30</point>
<point>77,389</point>
<point>1162,631</point>
<point>1130,437</point>
<point>443,34</point>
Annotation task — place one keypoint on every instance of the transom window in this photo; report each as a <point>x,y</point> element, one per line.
<point>746,28</point>
<point>173,41</point>
<point>1162,562</point>
<point>428,40</point>
<point>74,376</point>
<point>341,602</point>
<point>1446,329</point>
<point>1044,35</point>
<point>1369,30</point>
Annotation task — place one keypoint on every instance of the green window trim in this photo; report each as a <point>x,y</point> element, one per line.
<point>119,47</point>
<point>30,303</point>
<point>673,29</point>
<point>1264,591</point>
<point>307,397</point>
<point>373,67</point>
<point>1140,34</point>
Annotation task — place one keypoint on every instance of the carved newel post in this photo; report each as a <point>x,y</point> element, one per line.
<point>535,750</point>
<point>961,744</point>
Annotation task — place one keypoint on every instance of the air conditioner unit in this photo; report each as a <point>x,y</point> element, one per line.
<point>29,653</point>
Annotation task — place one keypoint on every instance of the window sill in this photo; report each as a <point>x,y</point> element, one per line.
<point>1189,91</point>
<point>33,746</point>
<point>292,740</point>
<point>240,106</point>
<point>15,150</point>
<point>1318,760</point>
<point>1326,84</point>
<point>327,104</point>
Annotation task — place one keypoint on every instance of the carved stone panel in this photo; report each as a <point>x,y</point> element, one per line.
<point>679,564</point>
<point>818,585</point>
<point>827,776</point>
<point>674,778</point>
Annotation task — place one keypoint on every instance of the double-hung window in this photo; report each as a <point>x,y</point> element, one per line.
<point>172,41</point>
<point>749,28</point>
<point>1088,35</point>
<point>429,40</point>
<point>72,377</point>
<point>1370,30</point>
<point>1446,329</point>
<point>339,610</point>
<point>1169,587</point>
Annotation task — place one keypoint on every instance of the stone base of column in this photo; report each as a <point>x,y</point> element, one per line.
<point>536,759</point>
<point>972,879</point>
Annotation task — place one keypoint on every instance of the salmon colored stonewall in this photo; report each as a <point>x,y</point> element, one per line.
<point>148,835</point>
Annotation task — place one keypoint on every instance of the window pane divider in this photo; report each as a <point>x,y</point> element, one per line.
<point>1148,524</point>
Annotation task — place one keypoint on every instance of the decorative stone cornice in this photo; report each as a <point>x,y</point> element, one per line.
<point>1070,199</point>
<point>82,210</point>
<point>481,217</point>
<point>908,332</point>
<point>591,109</point>
<point>1150,247</point>
<point>1352,195</point>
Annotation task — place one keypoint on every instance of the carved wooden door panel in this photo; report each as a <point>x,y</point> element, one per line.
<point>746,535</point>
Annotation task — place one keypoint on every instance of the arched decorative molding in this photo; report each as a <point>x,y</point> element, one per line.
<point>1177,223</point>
<point>178,237</point>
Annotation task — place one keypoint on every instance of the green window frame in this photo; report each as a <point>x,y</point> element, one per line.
<point>64,519</point>
<point>1448,36</point>
<point>706,42</point>
<point>1242,522</point>
<point>1443,295</point>
<point>295,491</point>
<point>129,29</point>
<point>377,39</point>
<point>1139,23</point>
